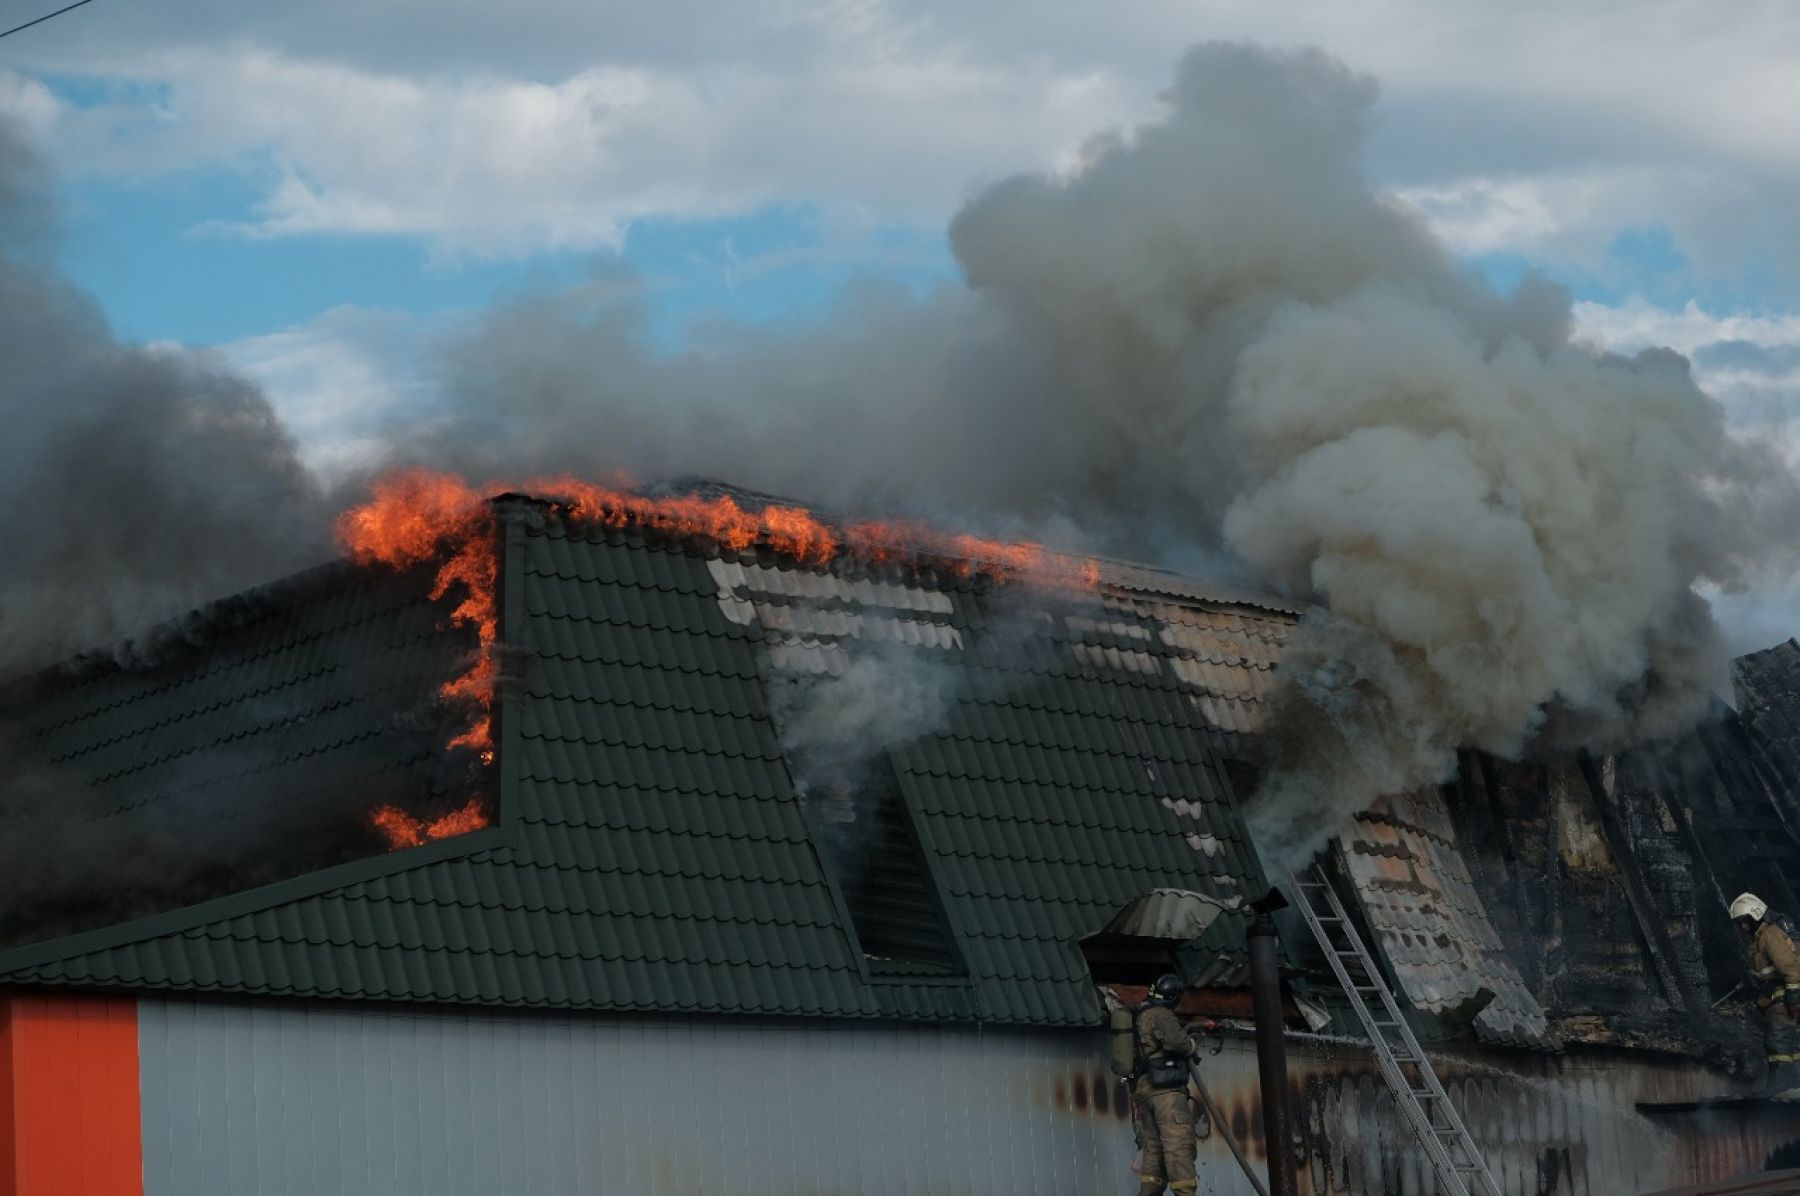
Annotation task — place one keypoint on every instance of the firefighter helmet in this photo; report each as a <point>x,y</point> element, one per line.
<point>1168,988</point>
<point>1749,905</point>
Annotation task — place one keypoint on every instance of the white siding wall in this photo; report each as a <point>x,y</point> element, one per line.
<point>269,1099</point>
<point>289,1100</point>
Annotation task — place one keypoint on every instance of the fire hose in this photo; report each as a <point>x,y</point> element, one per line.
<point>1218,1120</point>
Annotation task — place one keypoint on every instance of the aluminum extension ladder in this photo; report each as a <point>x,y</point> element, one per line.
<point>1461,1170</point>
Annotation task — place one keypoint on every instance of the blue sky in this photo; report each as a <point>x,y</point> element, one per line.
<point>156,257</point>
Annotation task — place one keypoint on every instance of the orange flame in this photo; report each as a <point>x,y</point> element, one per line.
<point>401,829</point>
<point>790,531</point>
<point>417,516</point>
<point>798,534</point>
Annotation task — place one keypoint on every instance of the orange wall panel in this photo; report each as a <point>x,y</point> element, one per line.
<point>69,1115</point>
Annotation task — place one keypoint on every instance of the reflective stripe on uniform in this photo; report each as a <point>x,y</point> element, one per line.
<point>1784,1058</point>
<point>1184,1185</point>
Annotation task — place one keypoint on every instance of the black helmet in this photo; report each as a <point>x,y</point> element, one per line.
<point>1168,989</point>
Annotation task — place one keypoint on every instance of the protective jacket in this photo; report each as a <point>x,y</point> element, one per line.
<point>1160,1032</point>
<point>1163,1116</point>
<point>1775,962</point>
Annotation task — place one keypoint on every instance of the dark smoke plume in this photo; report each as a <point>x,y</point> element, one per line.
<point>1215,339</point>
<point>135,484</point>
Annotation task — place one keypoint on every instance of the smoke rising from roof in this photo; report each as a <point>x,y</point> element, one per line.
<point>1216,336</point>
<point>135,482</point>
<point>1214,340</point>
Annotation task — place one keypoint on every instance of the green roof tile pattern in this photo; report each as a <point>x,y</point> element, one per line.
<point>653,847</point>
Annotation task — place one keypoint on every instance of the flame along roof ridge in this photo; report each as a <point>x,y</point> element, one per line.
<point>1116,572</point>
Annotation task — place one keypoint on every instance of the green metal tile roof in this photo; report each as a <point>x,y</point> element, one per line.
<point>651,851</point>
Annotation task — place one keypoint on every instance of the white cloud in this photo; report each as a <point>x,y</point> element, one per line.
<point>1573,216</point>
<point>1639,324</point>
<point>497,129</point>
<point>1751,364</point>
<point>491,165</point>
<point>341,382</point>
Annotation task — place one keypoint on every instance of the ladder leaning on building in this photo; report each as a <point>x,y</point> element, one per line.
<point>1460,1168</point>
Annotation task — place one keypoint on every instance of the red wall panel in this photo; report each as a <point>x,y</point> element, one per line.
<point>69,1115</point>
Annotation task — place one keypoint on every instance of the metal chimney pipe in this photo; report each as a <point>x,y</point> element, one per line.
<point>1271,1056</point>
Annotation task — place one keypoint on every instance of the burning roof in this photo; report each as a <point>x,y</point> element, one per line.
<point>666,775</point>
<point>675,824</point>
<point>249,747</point>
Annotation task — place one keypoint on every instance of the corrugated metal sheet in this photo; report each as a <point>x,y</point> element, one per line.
<point>1429,922</point>
<point>296,1100</point>
<point>290,1101</point>
<point>1173,915</point>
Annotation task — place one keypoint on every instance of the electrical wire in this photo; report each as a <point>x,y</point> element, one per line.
<point>40,20</point>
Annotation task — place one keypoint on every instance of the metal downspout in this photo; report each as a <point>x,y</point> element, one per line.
<point>1271,1057</point>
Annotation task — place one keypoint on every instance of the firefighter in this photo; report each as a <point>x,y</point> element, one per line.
<point>1775,965</point>
<point>1161,1113</point>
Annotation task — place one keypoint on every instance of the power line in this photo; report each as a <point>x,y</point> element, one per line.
<point>39,21</point>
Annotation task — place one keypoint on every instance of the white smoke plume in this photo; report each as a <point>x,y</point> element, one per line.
<point>836,731</point>
<point>1217,335</point>
<point>886,695</point>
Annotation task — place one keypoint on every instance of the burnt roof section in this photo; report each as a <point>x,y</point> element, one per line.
<point>1431,924</point>
<point>240,746</point>
<point>1768,698</point>
<point>653,851</point>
